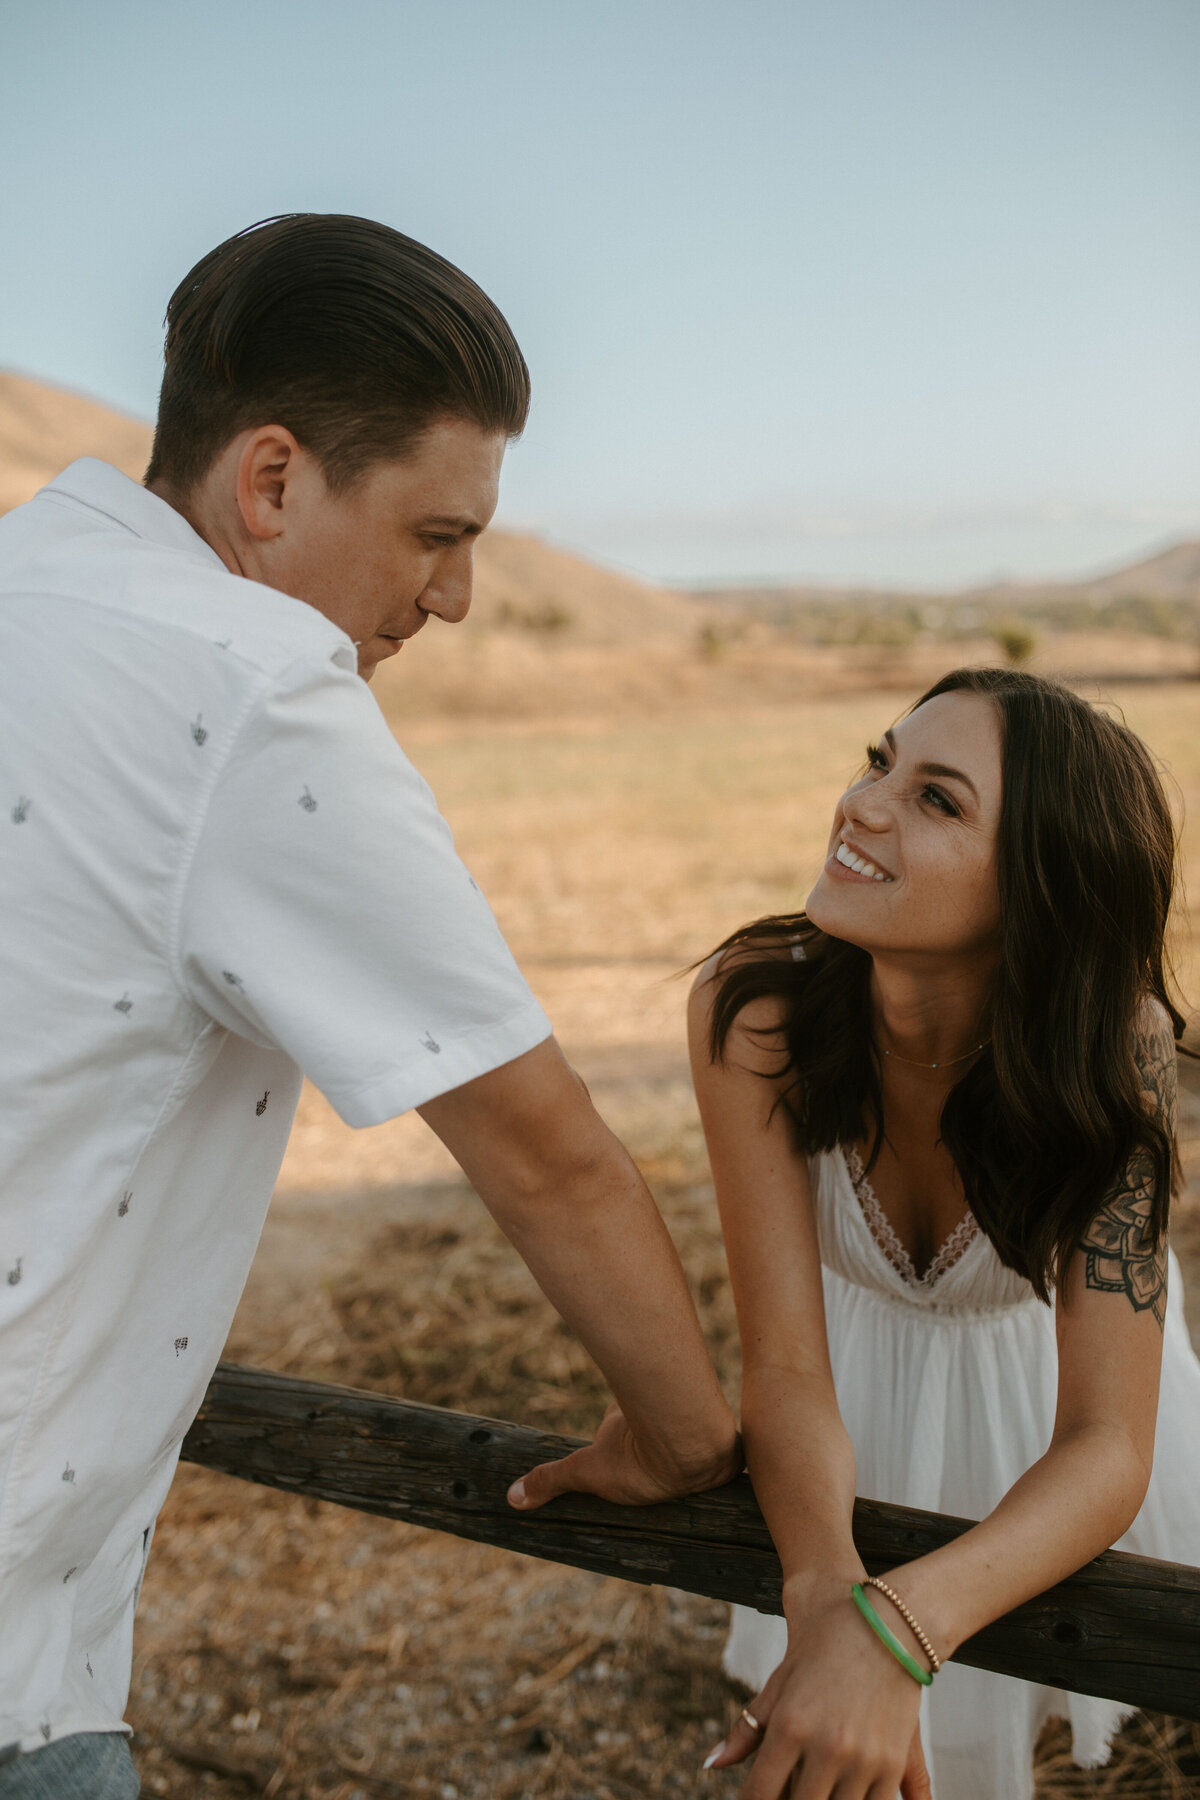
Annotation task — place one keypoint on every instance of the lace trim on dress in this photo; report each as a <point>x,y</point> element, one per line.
<point>880,1227</point>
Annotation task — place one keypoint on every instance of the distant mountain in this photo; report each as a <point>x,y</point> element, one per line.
<point>1174,574</point>
<point>1169,576</point>
<point>522,586</point>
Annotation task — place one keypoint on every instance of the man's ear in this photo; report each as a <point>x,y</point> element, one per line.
<point>267,464</point>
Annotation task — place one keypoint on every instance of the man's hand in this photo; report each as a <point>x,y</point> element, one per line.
<point>615,1467</point>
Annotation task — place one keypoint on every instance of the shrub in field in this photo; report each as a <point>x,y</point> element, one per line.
<point>1017,642</point>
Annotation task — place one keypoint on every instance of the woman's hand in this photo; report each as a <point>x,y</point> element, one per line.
<point>839,1716</point>
<point>617,1467</point>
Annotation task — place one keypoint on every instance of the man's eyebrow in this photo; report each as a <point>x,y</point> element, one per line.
<point>942,769</point>
<point>449,522</point>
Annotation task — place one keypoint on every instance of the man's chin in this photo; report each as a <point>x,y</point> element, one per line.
<point>381,648</point>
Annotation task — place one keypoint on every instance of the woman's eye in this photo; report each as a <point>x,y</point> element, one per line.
<point>942,801</point>
<point>875,758</point>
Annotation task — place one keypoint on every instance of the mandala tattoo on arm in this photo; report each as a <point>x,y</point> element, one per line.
<point>1121,1258</point>
<point>1121,1255</point>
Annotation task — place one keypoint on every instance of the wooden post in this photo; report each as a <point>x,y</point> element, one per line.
<point>1125,1627</point>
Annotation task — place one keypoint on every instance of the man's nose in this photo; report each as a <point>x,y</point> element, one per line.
<point>448,594</point>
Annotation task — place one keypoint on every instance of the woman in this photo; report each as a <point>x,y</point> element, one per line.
<point>940,1109</point>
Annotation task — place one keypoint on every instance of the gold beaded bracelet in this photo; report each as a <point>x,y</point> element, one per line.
<point>935,1661</point>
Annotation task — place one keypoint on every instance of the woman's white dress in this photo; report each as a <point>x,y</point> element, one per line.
<point>947,1387</point>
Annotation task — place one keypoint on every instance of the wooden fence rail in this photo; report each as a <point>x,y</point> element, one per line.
<point>1125,1627</point>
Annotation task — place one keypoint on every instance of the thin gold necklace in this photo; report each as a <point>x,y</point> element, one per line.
<point>947,1063</point>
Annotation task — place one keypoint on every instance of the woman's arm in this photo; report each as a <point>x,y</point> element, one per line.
<point>838,1708</point>
<point>1086,1490</point>
<point>797,1449</point>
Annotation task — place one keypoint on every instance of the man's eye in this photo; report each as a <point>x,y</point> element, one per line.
<point>439,542</point>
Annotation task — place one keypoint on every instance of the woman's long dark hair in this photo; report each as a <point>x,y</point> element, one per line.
<point>1046,1121</point>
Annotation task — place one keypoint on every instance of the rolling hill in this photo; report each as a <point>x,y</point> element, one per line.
<point>44,428</point>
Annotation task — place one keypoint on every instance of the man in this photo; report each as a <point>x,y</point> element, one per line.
<point>219,871</point>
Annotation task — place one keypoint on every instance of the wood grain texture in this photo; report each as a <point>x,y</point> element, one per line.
<point>1125,1627</point>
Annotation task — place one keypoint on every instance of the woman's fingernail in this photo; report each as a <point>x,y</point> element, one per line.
<point>712,1756</point>
<point>516,1493</point>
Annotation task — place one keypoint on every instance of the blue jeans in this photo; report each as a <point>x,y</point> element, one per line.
<point>92,1765</point>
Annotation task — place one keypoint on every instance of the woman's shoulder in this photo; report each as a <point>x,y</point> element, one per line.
<point>1154,1052</point>
<point>727,959</point>
<point>734,964</point>
<point>1152,1022</point>
<point>742,998</point>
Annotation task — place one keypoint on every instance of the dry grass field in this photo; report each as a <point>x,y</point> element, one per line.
<point>292,1649</point>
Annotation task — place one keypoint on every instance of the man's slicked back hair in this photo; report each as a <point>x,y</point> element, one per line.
<point>354,337</point>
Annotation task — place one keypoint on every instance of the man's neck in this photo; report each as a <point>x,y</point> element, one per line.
<point>204,520</point>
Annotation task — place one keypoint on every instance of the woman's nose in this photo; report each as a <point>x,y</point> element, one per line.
<point>866,805</point>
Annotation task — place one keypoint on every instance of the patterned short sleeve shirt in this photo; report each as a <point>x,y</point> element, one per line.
<point>218,870</point>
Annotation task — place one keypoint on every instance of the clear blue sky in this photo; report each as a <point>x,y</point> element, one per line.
<point>895,289</point>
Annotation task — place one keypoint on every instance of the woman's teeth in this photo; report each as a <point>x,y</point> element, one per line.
<point>848,860</point>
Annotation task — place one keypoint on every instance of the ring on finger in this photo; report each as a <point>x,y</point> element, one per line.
<point>751,1721</point>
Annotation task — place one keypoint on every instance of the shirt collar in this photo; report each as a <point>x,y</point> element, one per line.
<point>103,489</point>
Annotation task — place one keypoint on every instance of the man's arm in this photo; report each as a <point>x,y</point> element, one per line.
<point>568,1197</point>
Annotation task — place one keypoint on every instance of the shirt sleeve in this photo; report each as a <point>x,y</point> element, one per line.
<point>326,913</point>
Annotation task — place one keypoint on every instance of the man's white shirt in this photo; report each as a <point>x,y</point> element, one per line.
<point>218,870</point>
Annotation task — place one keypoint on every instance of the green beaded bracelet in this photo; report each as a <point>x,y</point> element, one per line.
<point>887,1637</point>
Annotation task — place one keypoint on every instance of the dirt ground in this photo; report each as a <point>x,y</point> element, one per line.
<point>294,1649</point>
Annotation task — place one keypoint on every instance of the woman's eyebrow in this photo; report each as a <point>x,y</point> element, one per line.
<point>942,769</point>
<point>947,773</point>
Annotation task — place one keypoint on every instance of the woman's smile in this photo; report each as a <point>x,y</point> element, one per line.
<point>856,866</point>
